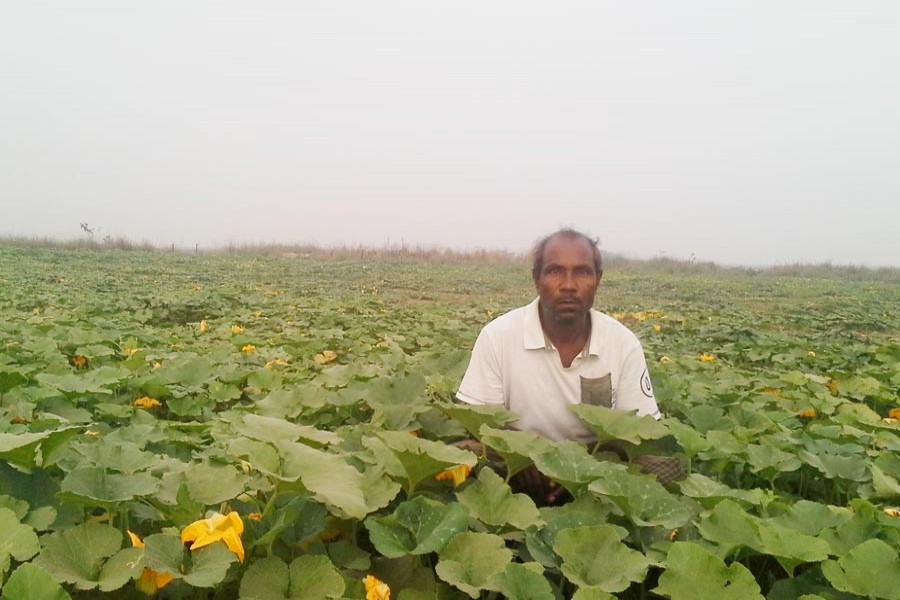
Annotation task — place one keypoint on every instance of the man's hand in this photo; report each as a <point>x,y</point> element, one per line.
<point>543,490</point>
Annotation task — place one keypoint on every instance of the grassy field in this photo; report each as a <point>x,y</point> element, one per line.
<point>248,417</point>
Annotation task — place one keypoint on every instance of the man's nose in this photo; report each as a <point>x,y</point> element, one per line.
<point>568,282</point>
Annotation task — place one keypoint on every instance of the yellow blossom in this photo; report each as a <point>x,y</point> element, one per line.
<point>894,413</point>
<point>130,351</point>
<point>248,349</point>
<point>276,362</point>
<point>673,535</point>
<point>457,474</point>
<point>236,329</point>
<point>255,516</point>
<point>657,328</point>
<point>227,528</point>
<point>807,413</point>
<point>79,361</point>
<point>811,354</point>
<point>36,311</point>
<point>327,356</point>
<point>147,402</point>
<point>665,360</point>
<point>707,357</point>
<point>376,589</point>
<point>892,512</point>
<point>157,365</point>
<point>203,326</point>
<point>773,392</point>
<point>150,581</point>
<point>832,387</point>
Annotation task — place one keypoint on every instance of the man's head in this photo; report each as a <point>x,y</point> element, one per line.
<point>566,271</point>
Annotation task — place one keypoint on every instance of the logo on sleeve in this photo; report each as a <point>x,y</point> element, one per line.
<point>645,384</point>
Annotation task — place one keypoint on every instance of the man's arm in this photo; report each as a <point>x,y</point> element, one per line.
<point>483,381</point>
<point>634,390</point>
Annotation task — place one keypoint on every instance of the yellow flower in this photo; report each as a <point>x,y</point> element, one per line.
<point>35,311</point>
<point>150,581</point>
<point>147,402</point>
<point>248,349</point>
<point>665,360</point>
<point>673,535</point>
<point>807,413</point>
<point>277,362</point>
<point>832,387</point>
<point>203,326</point>
<point>772,392</point>
<point>376,589</point>
<point>236,329</point>
<point>707,357</point>
<point>79,361</point>
<point>255,516</point>
<point>657,328</point>
<point>894,413</point>
<point>892,512</point>
<point>457,474</point>
<point>227,528</point>
<point>811,354</point>
<point>327,356</point>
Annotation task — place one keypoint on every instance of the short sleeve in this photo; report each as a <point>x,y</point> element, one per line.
<point>483,381</point>
<point>635,391</point>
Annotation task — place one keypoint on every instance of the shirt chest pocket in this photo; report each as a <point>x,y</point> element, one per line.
<point>597,391</point>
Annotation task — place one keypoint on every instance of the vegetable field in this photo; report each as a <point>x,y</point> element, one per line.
<point>271,428</point>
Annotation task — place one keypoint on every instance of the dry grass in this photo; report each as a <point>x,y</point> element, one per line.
<point>407,253</point>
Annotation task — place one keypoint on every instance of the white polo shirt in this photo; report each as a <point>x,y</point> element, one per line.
<point>514,365</point>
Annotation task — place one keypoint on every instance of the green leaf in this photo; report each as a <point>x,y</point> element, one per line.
<point>570,464</point>
<point>424,458</point>
<point>120,569</point>
<point>209,565</point>
<point>514,447</point>
<point>871,569</point>
<point>692,573</point>
<point>270,429</point>
<point>471,560</point>
<point>645,501</point>
<point>417,526</point>
<point>710,492</point>
<point>491,501</point>
<point>326,475</point>
<point>473,417</point>
<point>595,557</point>
<point>31,582</point>
<point>592,593</point>
<point>523,582</point>
<point>314,577</point>
<point>211,484</point>
<point>266,579</point>
<point>16,540</point>
<point>95,486</point>
<point>612,424</point>
<point>76,555</point>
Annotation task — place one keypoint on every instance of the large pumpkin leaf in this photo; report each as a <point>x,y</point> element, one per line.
<point>31,582</point>
<point>595,557</point>
<point>871,569</point>
<point>692,573</point>
<point>471,560</point>
<point>611,424</point>
<point>417,526</point>
<point>491,501</point>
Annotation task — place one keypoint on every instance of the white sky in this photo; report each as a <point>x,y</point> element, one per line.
<point>754,132</point>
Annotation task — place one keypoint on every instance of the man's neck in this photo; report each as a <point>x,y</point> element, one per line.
<point>568,334</point>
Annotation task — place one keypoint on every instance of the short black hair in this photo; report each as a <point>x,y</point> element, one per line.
<point>537,253</point>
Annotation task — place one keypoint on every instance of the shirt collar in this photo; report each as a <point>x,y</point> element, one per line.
<point>534,337</point>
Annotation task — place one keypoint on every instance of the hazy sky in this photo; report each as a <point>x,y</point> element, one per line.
<point>755,132</point>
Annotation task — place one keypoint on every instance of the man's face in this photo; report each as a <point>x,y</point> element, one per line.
<point>567,281</point>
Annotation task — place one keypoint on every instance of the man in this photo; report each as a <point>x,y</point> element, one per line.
<point>540,359</point>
